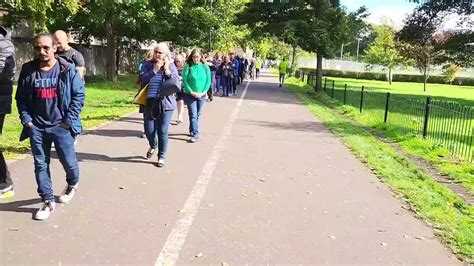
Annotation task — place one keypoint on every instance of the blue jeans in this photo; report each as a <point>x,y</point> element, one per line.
<point>218,83</point>
<point>156,131</point>
<point>195,107</point>
<point>225,85</point>
<point>41,140</point>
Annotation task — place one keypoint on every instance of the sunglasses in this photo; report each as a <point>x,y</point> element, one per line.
<point>158,52</point>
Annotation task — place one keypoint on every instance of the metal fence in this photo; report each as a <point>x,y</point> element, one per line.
<point>444,123</point>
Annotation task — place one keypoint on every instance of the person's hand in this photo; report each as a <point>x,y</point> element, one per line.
<point>64,125</point>
<point>30,125</point>
<point>156,67</point>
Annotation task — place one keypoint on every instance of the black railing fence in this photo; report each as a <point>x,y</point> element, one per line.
<point>447,124</point>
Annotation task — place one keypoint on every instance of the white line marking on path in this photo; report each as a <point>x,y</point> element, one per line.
<point>170,253</point>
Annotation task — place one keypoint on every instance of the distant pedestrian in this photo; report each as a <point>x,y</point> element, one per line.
<point>179,62</point>
<point>227,72</point>
<point>283,69</point>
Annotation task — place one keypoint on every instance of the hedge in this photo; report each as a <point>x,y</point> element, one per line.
<point>383,76</point>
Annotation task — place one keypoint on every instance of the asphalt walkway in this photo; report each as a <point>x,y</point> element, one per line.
<point>267,184</point>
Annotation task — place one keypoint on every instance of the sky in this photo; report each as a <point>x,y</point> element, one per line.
<point>396,10</point>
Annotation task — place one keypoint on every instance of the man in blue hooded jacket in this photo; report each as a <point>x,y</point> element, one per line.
<point>50,98</point>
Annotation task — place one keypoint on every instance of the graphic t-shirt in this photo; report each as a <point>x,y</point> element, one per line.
<point>45,97</point>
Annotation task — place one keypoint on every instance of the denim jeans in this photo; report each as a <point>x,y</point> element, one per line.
<point>195,107</point>
<point>218,83</point>
<point>41,140</point>
<point>156,131</point>
<point>225,85</point>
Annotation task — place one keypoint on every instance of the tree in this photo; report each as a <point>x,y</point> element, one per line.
<point>36,12</point>
<point>318,26</point>
<point>117,22</point>
<point>420,41</point>
<point>450,72</point>
<point>382,50</point>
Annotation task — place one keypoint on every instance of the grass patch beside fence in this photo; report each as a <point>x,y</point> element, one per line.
<point>105,101</point>
<point>449,132</point>
<point>461,94</point>
<point>452,219</point>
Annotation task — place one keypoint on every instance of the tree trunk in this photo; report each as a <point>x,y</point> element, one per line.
<point>425,77</point>
<point>293,60</point>
<point>111,47</point>
<point>319,72</point>
<point>390,76</point>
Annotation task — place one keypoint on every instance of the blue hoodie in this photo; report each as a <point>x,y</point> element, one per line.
<point>71,95</point>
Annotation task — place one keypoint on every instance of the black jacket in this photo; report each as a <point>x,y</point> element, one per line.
<point>7,71</point>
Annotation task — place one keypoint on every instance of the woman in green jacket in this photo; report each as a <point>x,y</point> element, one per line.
<point>196,81</point>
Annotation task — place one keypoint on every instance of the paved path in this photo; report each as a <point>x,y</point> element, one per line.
<point>267,184</point>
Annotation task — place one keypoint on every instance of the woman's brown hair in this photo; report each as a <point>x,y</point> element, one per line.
<point>189,60</point>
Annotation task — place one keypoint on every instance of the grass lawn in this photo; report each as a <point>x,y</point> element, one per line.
<point>104,102</point>
<point>452,219</point>
<point>461,94</point>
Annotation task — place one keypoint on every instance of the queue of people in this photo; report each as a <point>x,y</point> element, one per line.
<point>51,93</point>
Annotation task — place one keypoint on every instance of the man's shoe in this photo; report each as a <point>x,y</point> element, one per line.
<point>46,209</point>
<point>150,153</point>
<point>7,192</point>
<point>193,140</point>
<point>68,194</point>
<point>161,162</point>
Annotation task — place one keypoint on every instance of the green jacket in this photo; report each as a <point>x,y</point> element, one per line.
<point>197,79</point>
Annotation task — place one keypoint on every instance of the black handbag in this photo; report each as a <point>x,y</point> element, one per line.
<point>170,86</point>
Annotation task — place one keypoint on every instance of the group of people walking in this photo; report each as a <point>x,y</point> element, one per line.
<point>50,97</point>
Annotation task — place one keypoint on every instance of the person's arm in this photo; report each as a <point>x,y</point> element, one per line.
<point>77,99</point>
<point>207,70</point>
<point>21,98</point>
<point>80,64</point>
<point>185,75</point>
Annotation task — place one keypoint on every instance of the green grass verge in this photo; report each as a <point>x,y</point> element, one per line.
<point>461,94</point>
<point>104,102</point>
<point>406,118</point>
<point>452,219</point>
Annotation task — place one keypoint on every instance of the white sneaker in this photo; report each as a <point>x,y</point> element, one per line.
<point>46,209</point>
<point>68,194</point>
<point>161,162</point>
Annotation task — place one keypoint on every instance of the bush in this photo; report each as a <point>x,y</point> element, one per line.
<point>396,77</point>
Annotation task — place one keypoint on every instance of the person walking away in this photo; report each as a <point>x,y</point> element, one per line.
<point>258,65</point>
<point>50,98</point>
<point>158,109</point>
<point>67,52</point>
<point>196,79</point>
<point>179,63</point>
<point>283,68</point>
<point>7,73</point>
